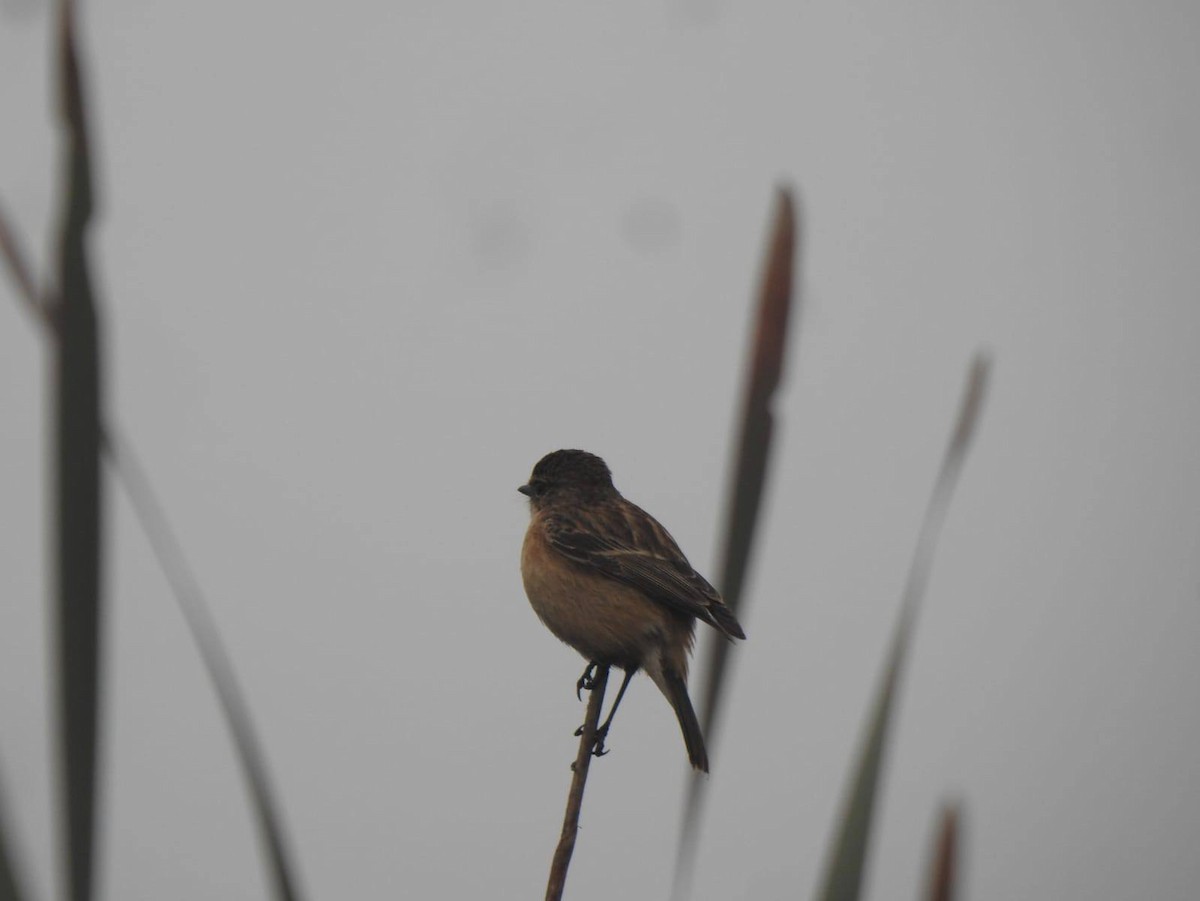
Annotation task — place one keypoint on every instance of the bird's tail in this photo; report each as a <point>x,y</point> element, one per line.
<point>672,684</point>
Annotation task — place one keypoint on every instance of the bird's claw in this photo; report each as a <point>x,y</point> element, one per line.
<point>598,749</point>
<point>586,682</point>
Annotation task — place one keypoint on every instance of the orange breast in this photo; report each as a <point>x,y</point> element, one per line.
<point>605,620</point>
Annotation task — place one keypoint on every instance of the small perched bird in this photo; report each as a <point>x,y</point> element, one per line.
<point>611,582</point>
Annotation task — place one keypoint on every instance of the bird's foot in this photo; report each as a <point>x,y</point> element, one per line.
<point>586,682</point>
<point>598,749</point>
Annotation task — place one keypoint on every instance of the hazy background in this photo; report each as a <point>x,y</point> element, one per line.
<point>364,263</point>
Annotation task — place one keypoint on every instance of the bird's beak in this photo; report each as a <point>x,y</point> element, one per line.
<point>526,490</point>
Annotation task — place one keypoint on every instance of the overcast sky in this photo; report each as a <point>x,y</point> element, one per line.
<point>363,264</point>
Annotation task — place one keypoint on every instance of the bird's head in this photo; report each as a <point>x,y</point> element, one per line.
<point>568,473</point>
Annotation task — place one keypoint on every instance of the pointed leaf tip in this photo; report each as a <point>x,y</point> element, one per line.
<point>944,872</point>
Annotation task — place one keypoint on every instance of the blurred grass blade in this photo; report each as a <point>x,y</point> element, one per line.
<point>77,565</point>
<point>943,875</point>
<point>757,429</point>
<point>754,444</point>
<point>79,669</point>
<point>195,611</point>
<point>8,875</point>
<point>9,883</point>
<point>18,269</point>
<point>843,879</point>
<point>746,489</point>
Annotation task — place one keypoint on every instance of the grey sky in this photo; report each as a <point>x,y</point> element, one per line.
<point>363,266</point>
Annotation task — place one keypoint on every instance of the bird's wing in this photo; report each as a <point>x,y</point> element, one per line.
<point>626,543</point>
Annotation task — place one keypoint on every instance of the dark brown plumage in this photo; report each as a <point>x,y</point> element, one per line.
<point>609,580</point>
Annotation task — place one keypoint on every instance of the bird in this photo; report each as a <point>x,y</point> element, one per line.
<point>607,579</point>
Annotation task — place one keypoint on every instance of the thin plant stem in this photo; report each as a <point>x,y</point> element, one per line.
<point>583,760</point>
<point>200,622</point>
<point>78,495</point>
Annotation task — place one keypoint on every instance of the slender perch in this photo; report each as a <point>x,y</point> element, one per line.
<point>583,761</point>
